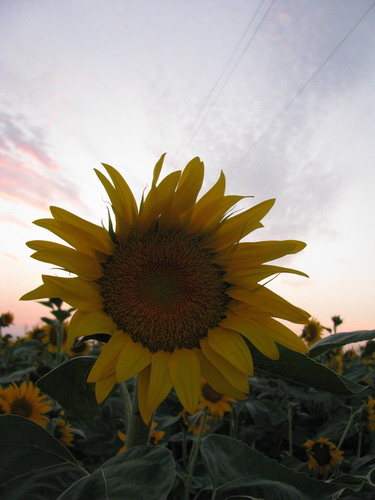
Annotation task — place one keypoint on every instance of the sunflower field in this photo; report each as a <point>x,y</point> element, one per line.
<point>164,369</point>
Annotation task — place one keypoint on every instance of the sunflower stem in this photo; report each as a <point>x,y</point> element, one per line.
<point>127,406</point>
<point>60,336</point>
<point>290,429</point>
<point>138,432</point>
<point>194,455</point>
<point>348,425</point>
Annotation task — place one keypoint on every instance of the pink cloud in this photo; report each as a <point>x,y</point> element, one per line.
<point>27,170</point>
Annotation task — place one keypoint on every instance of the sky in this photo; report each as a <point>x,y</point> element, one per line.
<point>279,94</point>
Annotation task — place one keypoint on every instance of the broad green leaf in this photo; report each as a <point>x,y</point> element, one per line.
<point>33,464</point>
<point>299,368</point>
<point>340,339</point>
<point>141,473</point>
<point>67,385</point>
<point>237,469</point>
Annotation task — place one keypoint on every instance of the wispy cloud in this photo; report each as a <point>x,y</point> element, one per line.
<point>27,167</point>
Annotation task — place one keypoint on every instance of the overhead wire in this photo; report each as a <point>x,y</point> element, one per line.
<point>201,116</point>
<point>307,82</point>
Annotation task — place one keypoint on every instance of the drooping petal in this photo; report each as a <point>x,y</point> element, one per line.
<point>105,365</point>
<point>267,301</point>
<point>133,358</point>
<point>216,379</point>
<point>184,369</point>
<point>85,323</point>
<point>241,277</point>
<point>160,381</point>
<point>234,376</point>
<point>254,332</point>
<point>231,346</point>
<point>233,229</point>
<point>104,387</point>
<point>282,334</point>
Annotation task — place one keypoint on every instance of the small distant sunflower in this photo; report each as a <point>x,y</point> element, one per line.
<point>173,287</point>
<point>36,333</point>
<point>312,331</point>
<point>63,432</point>
<point>371,414</point>
<point>322,455</point>
<point>217,403</point>
<point>27,401</point>
<point>78,349</point>
<point>155,437</point>
<point>6,319</point>
<point>196,427</point>
<point>50,339</point>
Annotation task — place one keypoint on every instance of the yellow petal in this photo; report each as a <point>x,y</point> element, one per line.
<point>282,334</point>
<point>255,274</point>
<point>123,190</point>
<point>234,376</point>
<point>267,301</point>
<point>157,169</point>
<point>95,236</point>
<point>254,332</point>
<point>143,382</point>
<point>104,387</point>
<point>85,266</point>
<point>216,379</point>
<point>231,346</point>
<point>184,369</point>
<point>75,292</point>
<point>245,255</point>
<point>44,291</point>
<point>233,229</point>
<point>89,323</point>
<point>105,365</point>
<point>160,381</point>
<point>133,358</point>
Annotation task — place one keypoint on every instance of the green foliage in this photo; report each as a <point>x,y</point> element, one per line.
<point>237,469</point>
<point>33,464</point>
<point>74,394</point>
<point>142,473</point>
<point>339,340</point>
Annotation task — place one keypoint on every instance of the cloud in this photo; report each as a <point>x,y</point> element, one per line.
<point>27,168</point>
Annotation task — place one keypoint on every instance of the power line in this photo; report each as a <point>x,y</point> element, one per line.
<point>201,119</point>
<point>308,81</point>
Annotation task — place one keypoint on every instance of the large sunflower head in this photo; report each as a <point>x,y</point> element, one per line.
<point>173,286</point>
<point>322,455</point>
<point>27,401</point>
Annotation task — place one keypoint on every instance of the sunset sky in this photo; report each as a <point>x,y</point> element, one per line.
<point>279,94</point>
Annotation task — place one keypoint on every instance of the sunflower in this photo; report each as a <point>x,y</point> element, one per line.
<point>155,437</point>
<point>322,455</point>
<point>217,403</point>
<point>27,401</point>
<point>4,404</point>
<point>312,331</point>
<point>6,319</point>
<point>63,432</point>
<point>172,286</point>
<point>78,349</point>
<point>36,333</point>
<point>50,338</point>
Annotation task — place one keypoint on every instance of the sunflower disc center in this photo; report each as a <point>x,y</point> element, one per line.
<point>21,407</point>
<point>210,394</point>
<point>164,290</point>
<point>321,453</point>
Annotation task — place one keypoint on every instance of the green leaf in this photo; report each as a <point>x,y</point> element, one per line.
<point>237,469</point>
<point>33,464</point>
<point>340,339</point>
<point>301,369</point>
<point>67,385</point>
<point>142,473</point>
